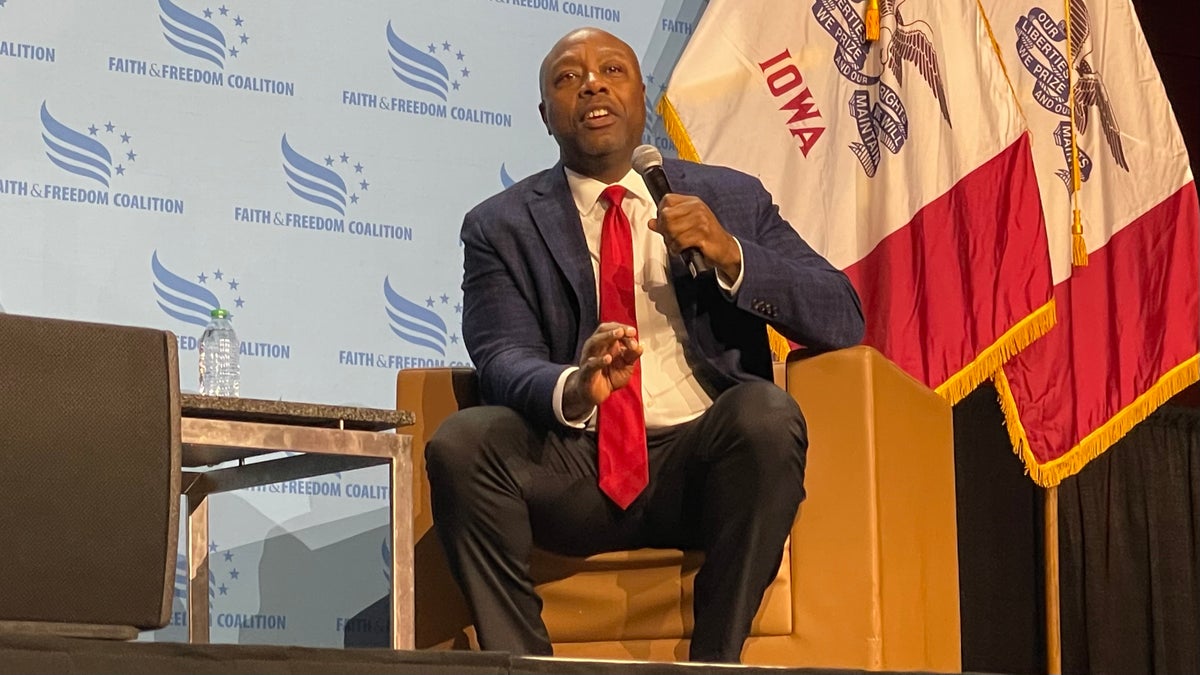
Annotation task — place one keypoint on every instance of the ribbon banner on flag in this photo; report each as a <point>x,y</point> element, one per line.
<point>904,160</point>
<point>1106,146</point>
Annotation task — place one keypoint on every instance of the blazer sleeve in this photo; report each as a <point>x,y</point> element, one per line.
<point>788,284</point>
<point>502,330</point>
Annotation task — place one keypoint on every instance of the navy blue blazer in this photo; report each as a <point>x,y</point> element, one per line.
<point>529,298</point>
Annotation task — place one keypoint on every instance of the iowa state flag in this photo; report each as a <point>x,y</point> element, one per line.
<point>1128,329</point>
<point>905,161</point>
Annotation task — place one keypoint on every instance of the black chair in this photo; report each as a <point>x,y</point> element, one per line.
<point>89,477</point>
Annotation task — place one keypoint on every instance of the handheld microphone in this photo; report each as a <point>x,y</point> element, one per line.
<point>647,161</point>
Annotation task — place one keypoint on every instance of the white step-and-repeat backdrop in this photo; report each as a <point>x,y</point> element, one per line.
<point>306,165</point>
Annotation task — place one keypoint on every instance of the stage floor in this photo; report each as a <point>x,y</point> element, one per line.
<point>27,654</point>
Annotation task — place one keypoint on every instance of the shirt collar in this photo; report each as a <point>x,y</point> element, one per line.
<point>586,190</point>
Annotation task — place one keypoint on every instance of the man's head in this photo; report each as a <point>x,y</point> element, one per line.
<point>593,102</point>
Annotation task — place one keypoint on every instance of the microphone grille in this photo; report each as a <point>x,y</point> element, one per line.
<point>645,157</point>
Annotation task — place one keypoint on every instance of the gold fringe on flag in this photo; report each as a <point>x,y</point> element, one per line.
<point>1079,255</point>
<point>872,20</point>
<point>1070,463</point>
<point>992,359</point>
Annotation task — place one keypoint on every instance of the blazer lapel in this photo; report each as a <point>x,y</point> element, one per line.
<point>557,219</point>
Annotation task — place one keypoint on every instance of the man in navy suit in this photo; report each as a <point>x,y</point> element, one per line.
<point>723,448</point>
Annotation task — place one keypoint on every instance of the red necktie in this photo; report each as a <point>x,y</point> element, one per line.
<point>621,423</point>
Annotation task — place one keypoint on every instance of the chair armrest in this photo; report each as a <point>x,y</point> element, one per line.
<point>875,560</point>
<point>432,395</point>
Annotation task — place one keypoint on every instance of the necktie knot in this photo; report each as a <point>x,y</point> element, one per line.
<point>614,194</point>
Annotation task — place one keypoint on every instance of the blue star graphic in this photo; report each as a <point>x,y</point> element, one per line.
<point>454,339</point>
<point>233,573</point>
<point>224,590</point>
<point>202,278</point>
<point>429,302</point>
<point>662,87</point>
<point>650,79</point>
<point>455,85</point>
<point>459,55</point>
<point>358,168</point>
<point>445,46</point>
<point>228,556</point>
<point>223,10</point>
<point>233,285</point>
<point>109,127</point>
<point>466,73</point>
<point>131,155</point>
<point>212,547</point>
<point>432,48</point>
<point>238,21</point>
<point>244,38</point>
<point>125,138</point>
<point>120,170</point>
<point>354,199</point>
<point>458,308</point>
<point>207,13</point>
<point>218,275</point>
<point>93,129</point>
<point>233,52</point>
<point>445,299</point>
<point>328,160</point>
<point>239,302</point>
<point>344,157</point>
<point>364,185</point>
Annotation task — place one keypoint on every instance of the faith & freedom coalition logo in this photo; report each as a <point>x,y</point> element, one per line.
<point>581,10</point>
<point>223,580</point>
<point>329,187</point>
<point>93,161</point>
<point>189,303</point>
<point>210,47</point>
<point>431,78</point>
<point>428,329</point>
<point>17,49</point>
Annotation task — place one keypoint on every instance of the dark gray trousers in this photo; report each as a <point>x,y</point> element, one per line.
<point>727,483</point>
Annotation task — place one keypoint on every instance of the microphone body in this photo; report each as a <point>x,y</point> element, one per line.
<point>647,161</point>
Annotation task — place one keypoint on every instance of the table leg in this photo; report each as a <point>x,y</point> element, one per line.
<point>402,552</point>
<point>197,534</point>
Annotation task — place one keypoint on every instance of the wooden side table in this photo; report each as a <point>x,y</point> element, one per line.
<point>325,439</point>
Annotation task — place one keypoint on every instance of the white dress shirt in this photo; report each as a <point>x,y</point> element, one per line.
<point>670,392</point>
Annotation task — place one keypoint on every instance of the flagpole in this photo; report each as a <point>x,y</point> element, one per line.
<point>1050,558</point>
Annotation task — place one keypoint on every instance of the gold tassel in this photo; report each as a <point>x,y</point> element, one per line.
<point>1079,254</point>
<point>780,347</point>
<point>872,20</point>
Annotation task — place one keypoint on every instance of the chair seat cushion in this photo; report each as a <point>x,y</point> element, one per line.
<point>638,595</point>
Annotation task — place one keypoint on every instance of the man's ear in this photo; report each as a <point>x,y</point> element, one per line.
<point>545,122</point>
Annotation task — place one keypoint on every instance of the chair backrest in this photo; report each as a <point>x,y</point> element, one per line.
<point>89,472</point>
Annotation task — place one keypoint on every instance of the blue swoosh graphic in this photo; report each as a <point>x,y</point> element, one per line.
<point>180,298</point>
<point>313,182</point>
<point>387,561</point>
<point>75,152</point>
<point>413,323</point>
<point>505,179</point>
<point>416,68</point>
<point>191,34</point>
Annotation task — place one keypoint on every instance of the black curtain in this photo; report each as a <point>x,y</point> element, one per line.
<point>1129,541</point>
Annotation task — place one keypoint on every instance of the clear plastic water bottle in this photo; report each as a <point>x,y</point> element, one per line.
<point>219,345</point>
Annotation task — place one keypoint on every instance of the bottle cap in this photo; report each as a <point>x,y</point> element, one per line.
<point>219,313</point>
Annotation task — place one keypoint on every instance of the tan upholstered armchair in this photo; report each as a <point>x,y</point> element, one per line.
<point>870,576</point>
